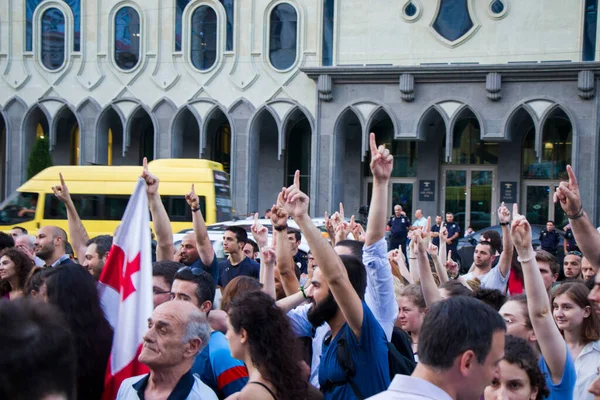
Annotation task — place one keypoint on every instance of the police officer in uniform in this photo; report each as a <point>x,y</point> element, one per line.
<point>570,243</point>
<point>549,238</point>
<point>399,225</point>
<point>453,235</point>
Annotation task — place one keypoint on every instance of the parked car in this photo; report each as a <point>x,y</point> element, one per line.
<point>466,246</point>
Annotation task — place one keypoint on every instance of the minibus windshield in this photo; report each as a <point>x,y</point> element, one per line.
<point>222,196</point>
<point>18,207</point>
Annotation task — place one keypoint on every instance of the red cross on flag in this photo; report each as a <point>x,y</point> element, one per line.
<point>126,291</point>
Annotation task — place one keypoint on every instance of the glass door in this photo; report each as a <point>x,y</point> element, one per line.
<point>538,198</point>
<point>400,191</point>
<point>468,193</point>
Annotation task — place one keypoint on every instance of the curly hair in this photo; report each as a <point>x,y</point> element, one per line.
<point>518,352</point>
<point>23,266</point>
<point>237,286</point>
<point>272,343</point>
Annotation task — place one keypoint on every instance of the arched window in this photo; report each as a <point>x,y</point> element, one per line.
<point>229,11</point>
<point>283,36</point>
<point>590,25</point>
<point>30,7</point>
<point>203,48</point>
<point>467,146</point>
<point>453,20</point>
<point>328,23</point>
<point>127,38</point>
<point>53,39</point>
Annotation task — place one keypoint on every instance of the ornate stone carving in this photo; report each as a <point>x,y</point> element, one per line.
<point>325,87</point>
<point>493,85</point>
<point>586,84</point>
<point>407,87</point>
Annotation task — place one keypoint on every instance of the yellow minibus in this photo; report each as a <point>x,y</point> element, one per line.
<point>101,193</point>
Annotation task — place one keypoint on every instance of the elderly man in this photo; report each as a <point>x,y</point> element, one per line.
<point>26,243</point>
<point>177,333</point>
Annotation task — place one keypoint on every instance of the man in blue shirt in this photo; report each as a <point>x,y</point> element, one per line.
<point>398,225</point>
<point>549,238</point>
<point>237,264</point>
<point>453,235</point>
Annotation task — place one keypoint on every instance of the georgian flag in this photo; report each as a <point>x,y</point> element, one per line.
<point>125,289</point>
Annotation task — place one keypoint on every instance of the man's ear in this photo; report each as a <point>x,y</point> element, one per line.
<point>466,361</point>
<point>206,306</point>
<point>105,256</point>
<point>193,347</point>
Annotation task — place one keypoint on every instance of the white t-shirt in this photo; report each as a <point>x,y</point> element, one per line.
<point>492,280</point>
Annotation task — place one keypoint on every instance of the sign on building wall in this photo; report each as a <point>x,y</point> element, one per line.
<point>508,192</point>
<point>426,190</point>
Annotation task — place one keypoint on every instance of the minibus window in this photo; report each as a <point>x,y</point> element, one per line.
<point>178,209</point>
<point>222,196</point>
<point>87,206</point>
<point>18,207</point>
<point>114,207</point>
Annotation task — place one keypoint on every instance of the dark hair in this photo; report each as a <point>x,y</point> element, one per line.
<point>544,256</point>
<point>550,221</point>
<point>6,241</point>
<point>34,280</point>
<point>355,247</point>
<point>38,356</point>
<point>488,244</point>
<point>103,244</point>
<point>272,343</point>
<point>73,290</point>
<point>252,243</point>
<point>296,233</point>
<point>455,288</point>
<point>590,283</point>
<point>69,249</point>
<point>466,323</point>
<point>493,238</point>
<point>238,286</point>
<point>167,269</point>
<point>415,294</point>
<point>357,274</point>
<point>578,293</point>
<point>240,233</point>
<point>23,266</point>
<point>492,297</point>
<point>518,352</point>
<point>205,290</point>
<point>522,300</point>
<point>23,230</point>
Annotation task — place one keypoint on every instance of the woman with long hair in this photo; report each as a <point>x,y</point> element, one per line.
<point>14,269</point>
<point>520,377</point>
<point>73,290</point>
<point>578,324</point>
<point>260,335</point>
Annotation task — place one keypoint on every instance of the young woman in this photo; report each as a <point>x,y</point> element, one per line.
<point>579,325</point>
<point>520,377</point>
<point>260,335</point>
<point>411,313</point>
<point>14,269</point>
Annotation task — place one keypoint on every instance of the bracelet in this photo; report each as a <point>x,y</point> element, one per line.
<point>195,209</point>
<point>412,258</point>
<point>504,223</point>
<point>301,289</point>
<point>578,215</point>
<point>280,228</point>
<point>524,260</point>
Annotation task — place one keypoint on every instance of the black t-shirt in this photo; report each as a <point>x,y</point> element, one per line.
<point>227,271</point>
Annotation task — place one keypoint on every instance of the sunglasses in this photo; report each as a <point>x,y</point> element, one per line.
<point>195,271</point>
<point>575,253</point>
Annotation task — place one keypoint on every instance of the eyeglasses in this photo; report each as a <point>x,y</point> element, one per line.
<point>196,270</point>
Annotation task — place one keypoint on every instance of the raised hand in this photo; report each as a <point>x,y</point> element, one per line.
<point>296,202</point>
<point>432,249</point>
<point>451,265</point>
<point>342,231</point>
<point>267,256</point>
<point>279,216</point>
<point>62,191</point>
<point>503,214</point>
<point>260,232</point>
<point>443,233</point>
<point>520,232</point>
<point>151,180</point>
<point>382,162</point>
<point>192,198</point>
<point>568,195</point>
<point>359,233</point>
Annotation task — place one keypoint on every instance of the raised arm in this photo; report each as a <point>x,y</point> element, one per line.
<point>440,269</point>
<point>162,226</point>
<point>586,236</point>
<point>443,234</point>
<point>551,342</point>
<point>267,264</point>
<point>507,243</point>
<point>283,252</point>
<point>431,293</point>
<point>203,244</point>
<point>78,236</point>
<point>332,267</point>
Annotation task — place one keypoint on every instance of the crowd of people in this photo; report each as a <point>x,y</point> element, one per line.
<point>351,320</point>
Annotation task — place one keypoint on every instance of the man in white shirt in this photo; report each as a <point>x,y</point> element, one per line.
<point>420,221</point>
<point>458,364</point>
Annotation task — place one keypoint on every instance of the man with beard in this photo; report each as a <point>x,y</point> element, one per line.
<point>50,246</point>
<point>96,254</point>
<point>337,291</point>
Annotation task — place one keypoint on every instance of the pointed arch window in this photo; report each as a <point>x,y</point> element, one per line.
<point>127,38</point>
<point>53,39</point>
<point>283,35</point>
<point>467,146</point>
<point>203,48</point>
<point>30,7</point>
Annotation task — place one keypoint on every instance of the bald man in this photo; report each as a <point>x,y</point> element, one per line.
<point>50,246</point>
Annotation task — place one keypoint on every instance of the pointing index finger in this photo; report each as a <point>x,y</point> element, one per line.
<point>372,144</point>
<point>515,210</point>
<point>297,179</point>
<point>145,164</point>
<point>572,178</point>
<point>255,218</point>
<point>62,180</point>
<point>342,210</point>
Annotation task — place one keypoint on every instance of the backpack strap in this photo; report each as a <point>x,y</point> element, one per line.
<point>347,364</point>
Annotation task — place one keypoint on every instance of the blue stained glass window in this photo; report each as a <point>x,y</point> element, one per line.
<point>127,38</point>
<point>497,6</point>
<point>53,39</point>
<point>453,20</point>
<point>590,25</point>
<point>30,7</point>
<point>328,17</point>
<point>410,10</point>
<point>203,49</point>
<point>229,11</point>
<point>283,35</point>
